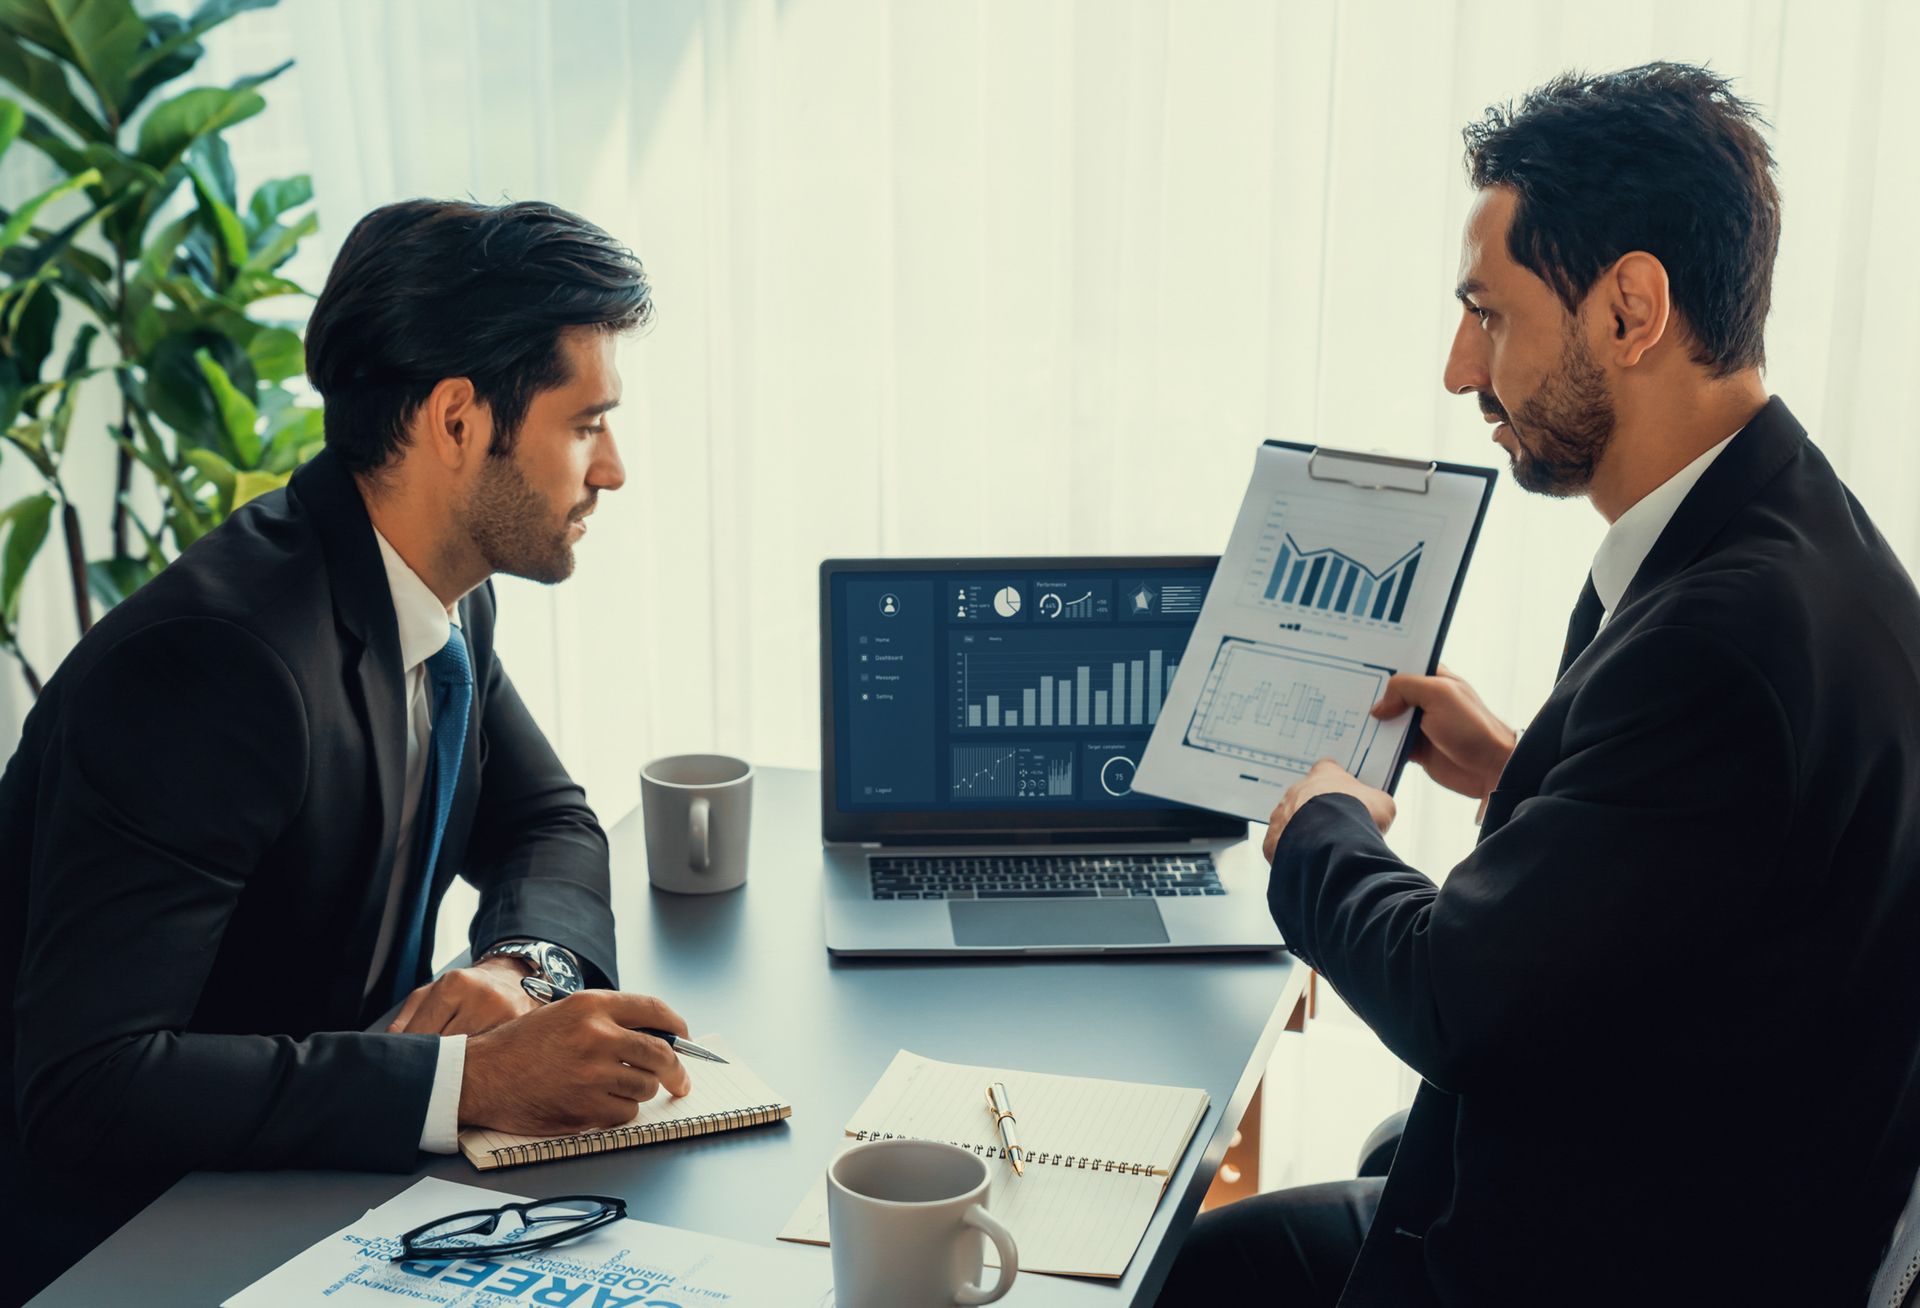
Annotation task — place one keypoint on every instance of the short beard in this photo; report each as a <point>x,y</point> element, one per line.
<point>1563,429</point>
<point>508,523</point>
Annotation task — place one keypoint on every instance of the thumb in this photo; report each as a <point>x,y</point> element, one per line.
<point>1404,691</point>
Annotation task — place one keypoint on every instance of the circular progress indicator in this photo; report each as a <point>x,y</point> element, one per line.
<point>1116,776</point>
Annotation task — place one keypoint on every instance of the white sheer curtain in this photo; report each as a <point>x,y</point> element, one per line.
<point>1037,276</point>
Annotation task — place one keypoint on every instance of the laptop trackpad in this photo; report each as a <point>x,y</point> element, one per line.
<point>1056,922</point>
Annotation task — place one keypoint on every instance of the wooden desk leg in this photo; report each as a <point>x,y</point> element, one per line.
<point>1239,1174</point>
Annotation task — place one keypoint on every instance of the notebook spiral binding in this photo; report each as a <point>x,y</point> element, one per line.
<point>1032,1156</point>
<point>619,1137</point>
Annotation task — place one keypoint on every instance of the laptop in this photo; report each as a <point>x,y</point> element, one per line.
<point>981,720</point>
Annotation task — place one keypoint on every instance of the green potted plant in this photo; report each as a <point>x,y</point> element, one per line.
<point>166,273</point>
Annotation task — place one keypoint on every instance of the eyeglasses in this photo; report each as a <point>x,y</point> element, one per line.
<point>542,1223</point>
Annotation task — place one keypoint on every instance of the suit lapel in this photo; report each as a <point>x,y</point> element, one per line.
<point>363,610</point>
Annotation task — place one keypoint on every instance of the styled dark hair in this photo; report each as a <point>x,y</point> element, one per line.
<point>1662,158</point>
<point>424,290</point>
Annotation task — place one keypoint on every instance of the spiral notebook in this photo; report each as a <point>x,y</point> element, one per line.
<point>725,1097</point>
<point>1099,1155</point>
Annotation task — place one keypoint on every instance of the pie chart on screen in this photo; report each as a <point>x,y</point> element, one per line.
<point>1007,602</point>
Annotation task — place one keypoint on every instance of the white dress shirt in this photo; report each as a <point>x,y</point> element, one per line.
<point>1633,534</point>
<point>424,624</point>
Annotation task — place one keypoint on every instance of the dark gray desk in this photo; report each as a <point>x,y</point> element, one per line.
<point>749,965</point>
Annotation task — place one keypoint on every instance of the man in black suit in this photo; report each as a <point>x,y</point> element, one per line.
<point>234,810</point>
<point>1667,1011</point>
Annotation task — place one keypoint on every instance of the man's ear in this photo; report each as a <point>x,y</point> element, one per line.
<point>454,424</point>
<point>1633,294</point>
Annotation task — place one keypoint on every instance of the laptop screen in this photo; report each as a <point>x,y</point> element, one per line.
<point>983,695</point>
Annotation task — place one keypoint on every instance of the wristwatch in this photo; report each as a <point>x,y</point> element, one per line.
<point>552,964</point>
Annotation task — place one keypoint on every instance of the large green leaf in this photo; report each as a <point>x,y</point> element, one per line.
<point>237,412</point>
<point>212,163</point>
<point>44,81</point>
<point>99,37</point>
<point>22,219</point>
<point>168,52</point>
<point>12,391</point>
<point>12,119</point>
<point>251,485</point>
<point>112,580</point>
<point>25,523</point>
<point>78,359</point>
<point>223,225</point>
<point>277,354</point>
<point>177,392</point>
<point>274,198</point>
<point>181,34</point>
<point>174,125</point>
<point>280,242</point>
<point>32,340</point>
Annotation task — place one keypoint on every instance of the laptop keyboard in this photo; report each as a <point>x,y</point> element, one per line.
<point>1043,876</point>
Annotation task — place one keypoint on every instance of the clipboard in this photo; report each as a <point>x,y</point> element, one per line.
<point>1248,625</point>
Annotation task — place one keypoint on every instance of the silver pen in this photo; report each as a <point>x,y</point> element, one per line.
<point>1000,1104</point>
<point>546,994</point>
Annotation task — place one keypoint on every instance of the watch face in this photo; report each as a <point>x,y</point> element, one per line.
<point>559,971</point>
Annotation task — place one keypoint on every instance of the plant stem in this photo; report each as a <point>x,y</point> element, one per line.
<point>26,669</point>
<point>77,566</point>
<point>123,466</point>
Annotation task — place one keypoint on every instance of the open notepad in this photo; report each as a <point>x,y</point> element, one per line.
<point>725,1096</point>
<point>1099,1155</point>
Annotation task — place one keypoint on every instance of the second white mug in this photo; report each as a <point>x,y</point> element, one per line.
<point>905,1218</point>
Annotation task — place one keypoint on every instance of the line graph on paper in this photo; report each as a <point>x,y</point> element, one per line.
<point>1286,708</point>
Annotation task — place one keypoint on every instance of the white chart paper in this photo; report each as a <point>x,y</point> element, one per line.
<point>1339,573</point>
<point>627,1264</point>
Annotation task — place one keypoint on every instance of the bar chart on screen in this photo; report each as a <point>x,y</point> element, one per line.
<point>1286,708</point>
<point>1324,562</point>
<point>1121,686</point>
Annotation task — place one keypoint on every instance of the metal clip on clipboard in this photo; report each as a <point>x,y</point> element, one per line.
<point>1415,476</point>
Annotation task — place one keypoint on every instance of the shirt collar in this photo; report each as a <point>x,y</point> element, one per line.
<point>1634,533</point>
<point>422,619</point>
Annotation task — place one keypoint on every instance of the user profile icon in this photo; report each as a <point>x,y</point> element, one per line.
<point>889,605</point>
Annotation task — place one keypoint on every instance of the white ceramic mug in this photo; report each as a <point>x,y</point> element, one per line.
<point>905,1219</point>
<point>698,808</point>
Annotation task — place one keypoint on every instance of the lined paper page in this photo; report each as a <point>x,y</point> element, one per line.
<point>1069,1220</point>
<point>728,1087</point>
<point>1081,1117</point>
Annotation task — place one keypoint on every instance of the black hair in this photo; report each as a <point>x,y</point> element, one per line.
<point>424,290</point>
<point>1663,158</point>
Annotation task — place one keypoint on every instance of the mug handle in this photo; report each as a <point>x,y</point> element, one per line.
<point>982,1220</point>
<point>697,832</point>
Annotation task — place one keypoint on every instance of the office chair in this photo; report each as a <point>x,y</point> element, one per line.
<point>1894,1285</point>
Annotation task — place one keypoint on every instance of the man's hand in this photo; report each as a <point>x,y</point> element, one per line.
<point>467,1000</point>
<point>574,1065</point>
<point>1461,744</point>
<point>1326,778</point>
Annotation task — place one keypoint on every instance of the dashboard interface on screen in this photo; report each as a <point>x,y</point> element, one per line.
<point>1003,689</point>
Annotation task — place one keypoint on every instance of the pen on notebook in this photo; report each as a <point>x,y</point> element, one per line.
<point>546,994</point>
<point>1000,1104</point>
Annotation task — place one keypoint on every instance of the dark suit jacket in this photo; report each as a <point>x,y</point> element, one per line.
<point>1668,1010</point>
<point>196,838</point>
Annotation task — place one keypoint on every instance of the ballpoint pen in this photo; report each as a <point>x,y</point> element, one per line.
<point>1000,1104</point>
<point>546,994</point>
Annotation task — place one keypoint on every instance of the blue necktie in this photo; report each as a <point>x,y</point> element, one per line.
<point>450,679</point>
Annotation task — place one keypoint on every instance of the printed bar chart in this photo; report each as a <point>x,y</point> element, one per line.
<point>995,690</point>
<point>1330,580</point>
